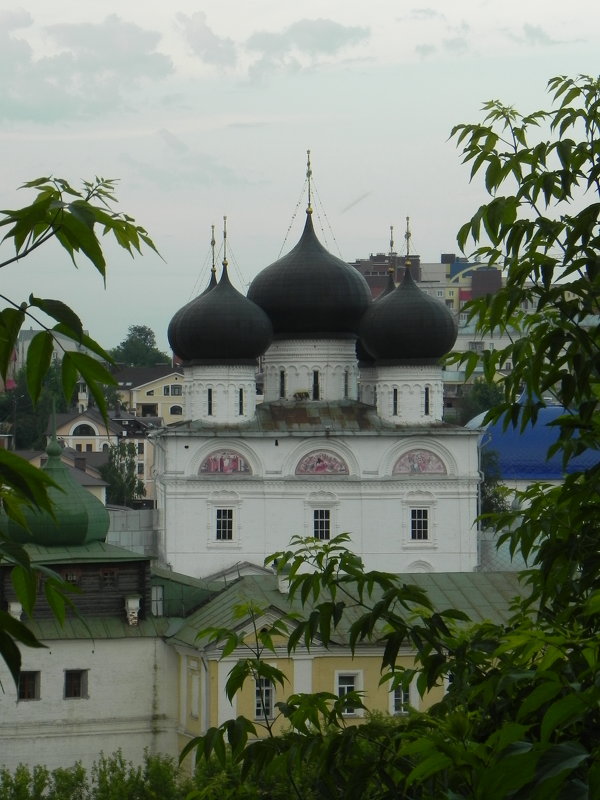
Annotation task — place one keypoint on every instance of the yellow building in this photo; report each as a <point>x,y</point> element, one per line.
<point>252,603</point>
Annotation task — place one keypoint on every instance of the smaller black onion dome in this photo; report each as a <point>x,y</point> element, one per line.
<point>174,324</point>
<point>408,325</point>
<point>362,354</point>
<point>220,326</point>
<point>310,292</point>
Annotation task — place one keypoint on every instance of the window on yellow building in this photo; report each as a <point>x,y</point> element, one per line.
<point>264,699</point>
<point>400,701</point>
<point>348,682</point>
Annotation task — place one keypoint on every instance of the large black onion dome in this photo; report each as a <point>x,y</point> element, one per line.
<point>408,325</point>
<point>220,326</point>
<point>310,293</point>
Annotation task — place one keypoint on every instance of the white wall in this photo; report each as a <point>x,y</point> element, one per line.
<point>131,704</point>
<point>274,504</point>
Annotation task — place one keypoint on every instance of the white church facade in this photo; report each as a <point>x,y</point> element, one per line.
<point>349,437</point>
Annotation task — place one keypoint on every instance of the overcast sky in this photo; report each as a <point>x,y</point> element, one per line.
<point>207,108</point>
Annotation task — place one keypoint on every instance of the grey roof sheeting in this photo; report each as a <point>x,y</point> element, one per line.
<point>306,417</point>
<point>482,595</point>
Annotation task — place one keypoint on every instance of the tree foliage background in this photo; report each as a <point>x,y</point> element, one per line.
<point>521,715</point>
<point>138,348</point>
<point>120,472</point>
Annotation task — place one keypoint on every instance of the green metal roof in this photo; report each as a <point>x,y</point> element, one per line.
<point>93,628</point>
<point>93,552</point>
<point>482,595</point>
<point>182,594</point>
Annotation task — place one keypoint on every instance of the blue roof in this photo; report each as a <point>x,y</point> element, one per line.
<point>524,456</point>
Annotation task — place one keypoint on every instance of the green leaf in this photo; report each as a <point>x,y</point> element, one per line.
<point>11,321</point>
<point>61,313</point>
<point>39,355</point>
<point>24,580</point>
<point>562,714</point>
<point>559,758</point>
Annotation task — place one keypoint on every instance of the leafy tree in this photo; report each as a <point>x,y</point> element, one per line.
<point>521,716</point>
<point>27,420</point>
<point>480,396</point>
<point>138,349</point>
<point>75,219</point>
<point>120,472</point>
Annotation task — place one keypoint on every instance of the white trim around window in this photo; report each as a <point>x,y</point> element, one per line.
<point>419,522</point>
<point>223,524</point>
<point>403,699</point>
<point>347,680</point>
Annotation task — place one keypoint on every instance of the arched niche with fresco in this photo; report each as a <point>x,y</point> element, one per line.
<point>321,462</point>
<point>225,462</point>
<point>419,462</point>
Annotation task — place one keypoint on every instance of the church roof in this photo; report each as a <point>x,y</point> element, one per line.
<point>220,326</point>
<point>306,417</point>
<point>408,325</point>
<point>482,595</point>
<point>310,292</point>
<point>524,455</point>
<point>77,516</point>
<point>89,553</point>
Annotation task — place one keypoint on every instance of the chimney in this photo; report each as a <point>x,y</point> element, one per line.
<point>132,608</point>
<point>80,463</point>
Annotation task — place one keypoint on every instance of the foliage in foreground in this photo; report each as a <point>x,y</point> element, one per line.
<point>521,716</point>
<point>110,778</point>
<point>75,219</point>
<point>157,778</point>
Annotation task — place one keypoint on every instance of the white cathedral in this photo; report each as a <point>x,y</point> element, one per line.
<point>349,436</point>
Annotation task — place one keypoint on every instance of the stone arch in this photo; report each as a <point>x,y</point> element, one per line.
<point>322,462</point>
<point>200,456</point>
<point>437,452</point>
<point>336,449</point>
<point>84,429</point>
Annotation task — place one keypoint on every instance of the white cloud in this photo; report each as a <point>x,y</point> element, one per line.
<point>425,50</point>
<point>313,37</point>
<point>303,44</point>
<point>456,44</point>
<point>531,35</point>
<point>94,68</point>
<point>13,20</point>
<point>421,14</point>
<point>204,43</point>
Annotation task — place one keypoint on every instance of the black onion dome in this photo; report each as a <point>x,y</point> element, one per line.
<point>309,292</point>
<point>173,328</point>
<point>408,325</point>
<point>365,359</point>
<point>220,326</point>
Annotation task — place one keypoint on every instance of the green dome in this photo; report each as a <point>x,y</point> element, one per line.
<point>79,517</point>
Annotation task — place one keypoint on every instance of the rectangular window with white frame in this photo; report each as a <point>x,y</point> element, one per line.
<point>400,701</point>
<point>264,704</point>
<point>419,524</point>
<point>347,682</point>
<point>224,527</point>
<point>322,523</point>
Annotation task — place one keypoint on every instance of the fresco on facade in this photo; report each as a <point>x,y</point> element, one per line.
<point>225,462</point>
<point>420,462</point>
<point>320,462</point>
